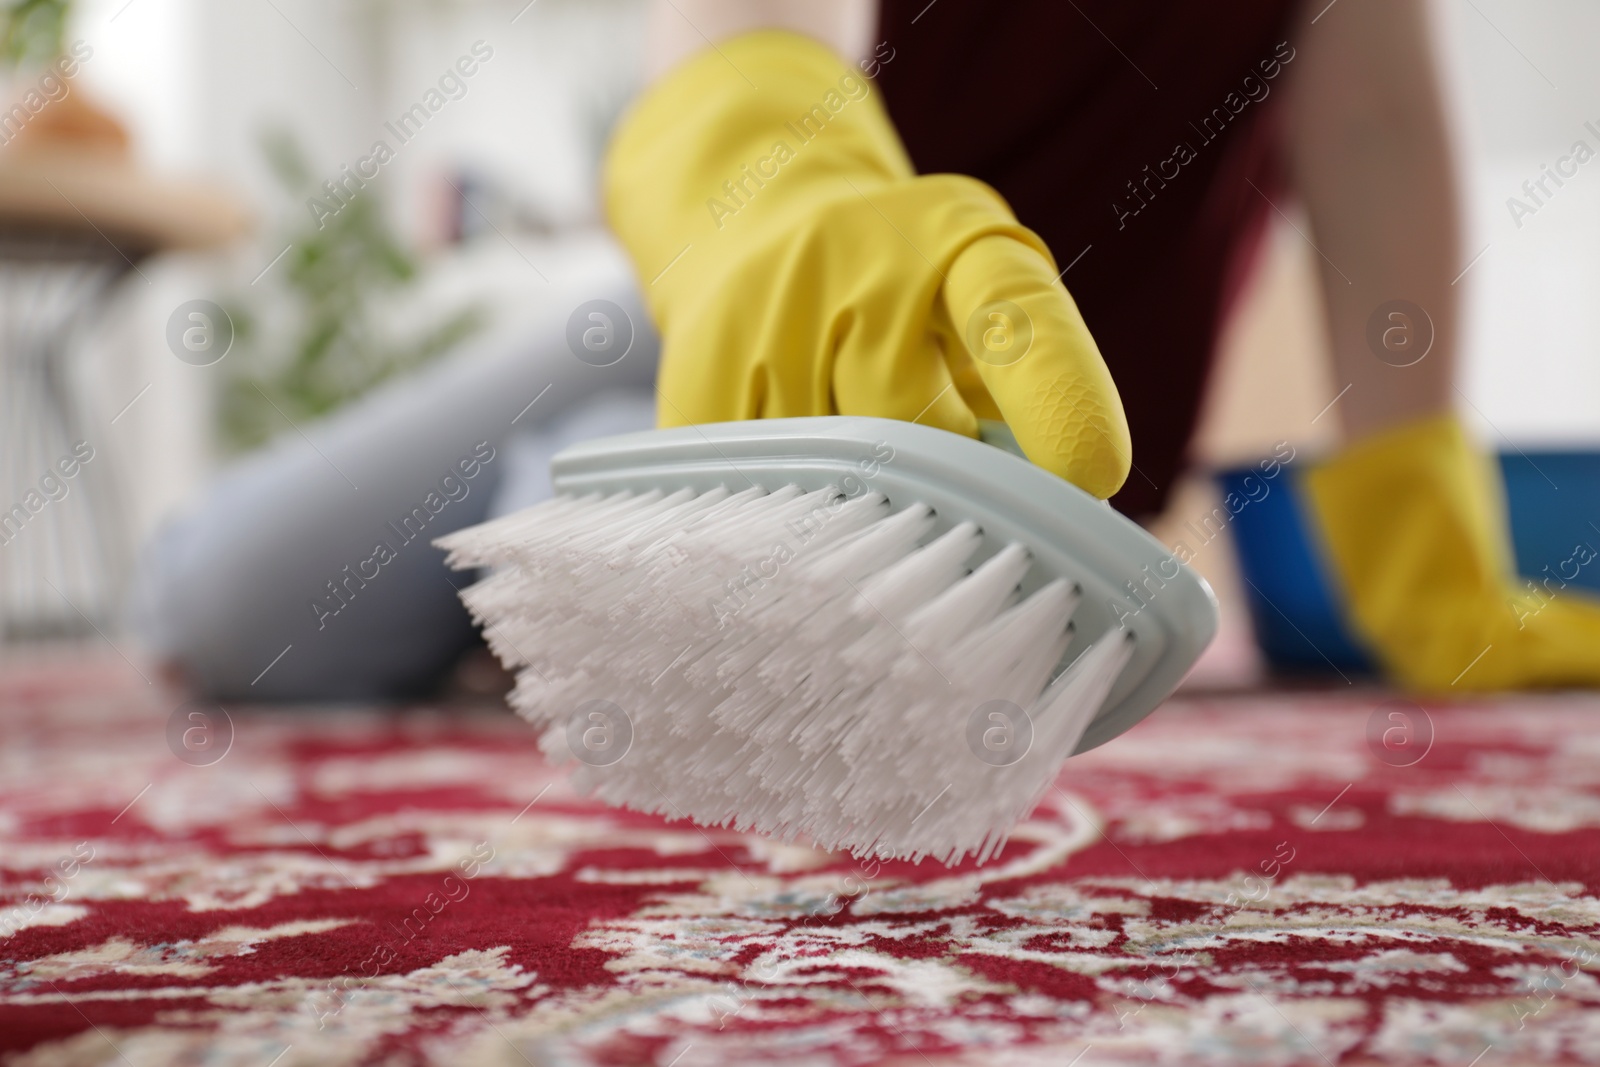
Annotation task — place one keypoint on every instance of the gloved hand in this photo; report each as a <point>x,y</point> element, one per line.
<point>795,265</point>
<point>1414,525</point>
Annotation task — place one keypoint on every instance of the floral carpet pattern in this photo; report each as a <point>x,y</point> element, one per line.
<point>1269,879</point>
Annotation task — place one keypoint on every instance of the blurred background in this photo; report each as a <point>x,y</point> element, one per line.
<point>167,177</point>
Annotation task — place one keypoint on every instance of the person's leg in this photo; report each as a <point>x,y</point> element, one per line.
<point>307,573</point>
<point>1410,515</point>
<point>1369,143</point>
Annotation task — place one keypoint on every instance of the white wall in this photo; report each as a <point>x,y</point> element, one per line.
<point>535,113</point>
<point>1528,81</point>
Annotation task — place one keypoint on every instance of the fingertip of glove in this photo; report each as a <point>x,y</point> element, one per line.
<point>1077,436</point>
<point>1083,454</point>
<point>1098,471</point>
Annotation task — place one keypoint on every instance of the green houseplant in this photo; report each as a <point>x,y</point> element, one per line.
<point>316,332</point>
<point>33,31</point>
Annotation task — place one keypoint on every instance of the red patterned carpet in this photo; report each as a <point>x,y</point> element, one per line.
<point>1236,881</point>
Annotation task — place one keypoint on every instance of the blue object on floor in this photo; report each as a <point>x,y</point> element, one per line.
<point>1297,621</point>
<point>1554,497</point>
<point>1554,501</point>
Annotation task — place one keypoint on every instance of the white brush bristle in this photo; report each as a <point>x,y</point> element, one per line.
<point>798,664</point>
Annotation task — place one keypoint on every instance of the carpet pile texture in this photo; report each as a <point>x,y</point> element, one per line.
<point>1266,879</point>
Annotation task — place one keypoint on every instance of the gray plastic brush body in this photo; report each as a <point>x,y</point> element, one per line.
<point>1129,580</point>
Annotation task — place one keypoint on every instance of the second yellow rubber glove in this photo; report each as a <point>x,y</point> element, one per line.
<point>1414,526</point>
<point>795,265</point>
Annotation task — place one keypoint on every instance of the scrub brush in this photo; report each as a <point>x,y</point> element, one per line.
<point>874,635</point>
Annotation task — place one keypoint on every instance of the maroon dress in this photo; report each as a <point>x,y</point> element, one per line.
<point>1136,138</point>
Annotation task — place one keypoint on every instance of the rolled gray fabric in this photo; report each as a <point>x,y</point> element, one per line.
<point>305,572</point>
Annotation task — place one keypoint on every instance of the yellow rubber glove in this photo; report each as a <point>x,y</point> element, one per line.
<point>1414,524</point>
<point>795,265</point>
